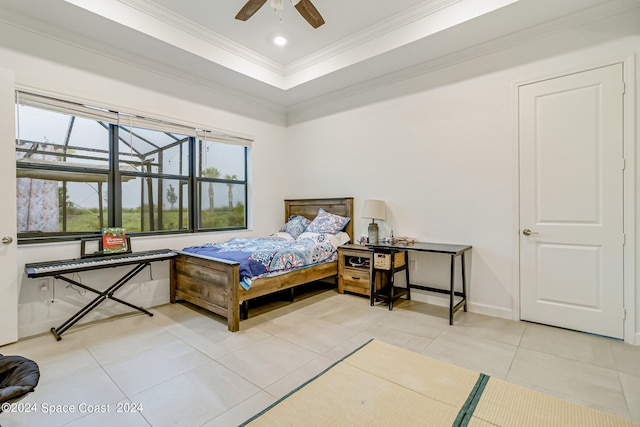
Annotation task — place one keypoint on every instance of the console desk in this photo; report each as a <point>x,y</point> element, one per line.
<point>452,250</point>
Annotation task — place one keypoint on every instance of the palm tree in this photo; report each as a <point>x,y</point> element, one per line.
<point>211,173</point>
<point>230,185</point>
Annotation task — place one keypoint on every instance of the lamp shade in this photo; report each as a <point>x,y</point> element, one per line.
<point>374,209</point>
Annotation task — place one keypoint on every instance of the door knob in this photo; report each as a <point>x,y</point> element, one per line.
<point>7,239</point>
<point>528,232</point>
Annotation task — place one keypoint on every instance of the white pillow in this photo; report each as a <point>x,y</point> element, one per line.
<point>339,239</point>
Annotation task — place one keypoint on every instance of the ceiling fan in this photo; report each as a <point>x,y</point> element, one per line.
<point>304,7</point>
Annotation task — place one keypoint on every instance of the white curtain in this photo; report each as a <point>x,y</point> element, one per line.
<point>38,204</point>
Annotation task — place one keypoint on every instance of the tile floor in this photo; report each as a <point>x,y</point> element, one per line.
<point>182,367</point>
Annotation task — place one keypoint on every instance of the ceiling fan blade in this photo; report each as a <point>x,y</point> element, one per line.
<point>310,13</point>
<point>249,9</point>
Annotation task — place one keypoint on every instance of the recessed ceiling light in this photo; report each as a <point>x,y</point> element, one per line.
<point>279,40</point>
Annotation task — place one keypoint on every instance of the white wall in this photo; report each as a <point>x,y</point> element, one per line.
<point>444,156</point>
<point>440,149</point>
<point>268,174</point>
<point>443,162</point>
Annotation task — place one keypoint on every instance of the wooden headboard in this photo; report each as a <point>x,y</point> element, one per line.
<point>308,208</point>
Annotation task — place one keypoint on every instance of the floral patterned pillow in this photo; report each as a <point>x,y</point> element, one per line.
<point>327,222</point>
<point>296,225</point>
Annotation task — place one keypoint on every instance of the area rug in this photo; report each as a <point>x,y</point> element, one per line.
<point>383,385</point>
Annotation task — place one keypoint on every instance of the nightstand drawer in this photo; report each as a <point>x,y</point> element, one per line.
<point>354,269</point>
<point>356,281</point>
<point>356,277</point>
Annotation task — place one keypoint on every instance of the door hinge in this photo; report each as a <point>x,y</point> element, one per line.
<point>624,163</point>
<point>624,88</point>
<point>624,314</point>
<point>624,238</point>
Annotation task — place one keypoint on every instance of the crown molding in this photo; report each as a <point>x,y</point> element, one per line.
<point>325,91</point>
<point>147,16</point>
<point>408,28</point>
<point>180,23</point>
<point>391,24</point>
<point>360,93</point>
<point>157,22</point>
<point>224,97</point>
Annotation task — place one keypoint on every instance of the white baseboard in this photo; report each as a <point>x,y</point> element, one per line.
<point>478,308</point>
<point>489,310</point>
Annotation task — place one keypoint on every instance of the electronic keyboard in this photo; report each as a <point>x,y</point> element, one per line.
<point>55,268</point>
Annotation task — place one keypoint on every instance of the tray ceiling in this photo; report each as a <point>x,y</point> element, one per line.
<point>362,41</point>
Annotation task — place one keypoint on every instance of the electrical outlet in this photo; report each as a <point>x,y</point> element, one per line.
<point>412,265</point>
<point>44,283</point>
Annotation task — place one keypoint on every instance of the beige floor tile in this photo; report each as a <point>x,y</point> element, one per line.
<point>627,357</point>
<point>195,397</point>
<point>152,367</point>
<point>437,314</point>
<point>268,361</point>
<point>347,347</point>
<point>243,411</point>
<point>61,402</point>
<point>392,333</point>
<point>216,342</point>
<point>493,328</point>
<point>280,305</point>
<point>129,343</point>
<point>569,344</point>
<point>480,354</point>
<point>408,318</point>
<point>186,368</point>
<point>37,345</point>
<point>316,335</point>
<point>573,380</point>
<point>182,319</point>
<point>57,360</point>
<point>121,414</point>
<point>357,315</point>
<point>105,330</point>
<point>631,387</point>
<point>276,322</point>
<point>306,308</point>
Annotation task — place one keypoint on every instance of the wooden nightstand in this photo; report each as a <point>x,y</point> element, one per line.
<point>354,269</point>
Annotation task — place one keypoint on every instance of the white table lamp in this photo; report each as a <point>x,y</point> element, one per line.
<point>374,209</point>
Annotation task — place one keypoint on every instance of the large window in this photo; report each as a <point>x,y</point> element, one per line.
<point>81,168</point>
<point>221,172</point>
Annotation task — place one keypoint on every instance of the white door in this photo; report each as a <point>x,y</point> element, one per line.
<point>571,189</point>
<point>8,269</point>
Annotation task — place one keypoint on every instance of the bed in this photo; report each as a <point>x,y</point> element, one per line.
<point>214,284</point>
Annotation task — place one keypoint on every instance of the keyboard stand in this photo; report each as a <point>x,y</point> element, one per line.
<point>102,296</point>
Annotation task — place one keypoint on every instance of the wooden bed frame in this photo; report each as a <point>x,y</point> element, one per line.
<point>214,284</point>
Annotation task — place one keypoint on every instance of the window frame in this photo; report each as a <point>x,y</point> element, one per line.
<point>114,175</point>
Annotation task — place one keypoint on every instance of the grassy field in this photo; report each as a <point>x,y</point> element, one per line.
<point>89,220</point>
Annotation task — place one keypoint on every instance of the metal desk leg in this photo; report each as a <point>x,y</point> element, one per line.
<point>390,280</point>
<point>452,285</point>
<point>464,282</point>
<point>372,291</point>
<point>406,254</point>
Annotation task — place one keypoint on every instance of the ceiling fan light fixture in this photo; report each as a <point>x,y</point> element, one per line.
<point>304,7</point>
<point>277,5</point>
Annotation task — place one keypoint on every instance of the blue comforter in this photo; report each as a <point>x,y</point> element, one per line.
<point>265,256</point>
